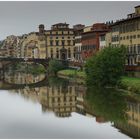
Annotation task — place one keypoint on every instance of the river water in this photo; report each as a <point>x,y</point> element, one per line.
<point>40,107</point>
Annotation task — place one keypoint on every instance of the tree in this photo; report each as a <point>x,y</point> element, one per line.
<point>106,67</point>
<point>55,66</point>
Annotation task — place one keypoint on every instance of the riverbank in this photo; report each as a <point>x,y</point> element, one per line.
<point>130,84</point>
<point>127,83</point>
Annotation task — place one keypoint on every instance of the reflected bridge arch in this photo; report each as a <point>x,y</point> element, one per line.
<point>9,86</point>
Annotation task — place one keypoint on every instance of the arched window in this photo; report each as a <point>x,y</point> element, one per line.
<point>128,61</point>
<point>51,53</point>
<point>74,52</point>
<point>35,52</point>
<point>69,53</point>
<point>57,53</point>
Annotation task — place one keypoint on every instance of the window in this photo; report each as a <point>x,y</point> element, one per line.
<point>124,38</point>
<point>57,43</point>
<point>134,48</point>
<point>63,43</point>
<point>69,42</point>
<point>51,42</point>
<point>135,60</point>
<point>128,49</point>
<point>51,53</point>
<point>102,38</point>
<point>69,53</point>
<point>139,48</point>
<point>57,53</point>
<point>73,42</point>
<point>131,49</point>
<point>134,36</point>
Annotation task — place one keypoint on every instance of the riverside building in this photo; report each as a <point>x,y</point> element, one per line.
<point>90,39</point>
<point>78,30</point>
<point>60,42</point>
<point>127,32</point>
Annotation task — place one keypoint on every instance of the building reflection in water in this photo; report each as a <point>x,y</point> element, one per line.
<point>132,127</point>
<point>64,97</point>
<point>60,99</point>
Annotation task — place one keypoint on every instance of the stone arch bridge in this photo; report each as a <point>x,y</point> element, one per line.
<point>45,62</point>
<point>7,61</point>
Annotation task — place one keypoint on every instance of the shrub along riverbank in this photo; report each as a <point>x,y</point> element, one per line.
<point>127,83</point>
<point>71,73</point>
<point>131,84</point>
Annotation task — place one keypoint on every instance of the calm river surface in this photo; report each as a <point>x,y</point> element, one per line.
<point>39,107</point>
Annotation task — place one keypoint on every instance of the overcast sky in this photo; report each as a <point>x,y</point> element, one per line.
<point>23,17</point>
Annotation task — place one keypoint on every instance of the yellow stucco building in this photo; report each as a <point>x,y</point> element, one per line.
<point>127,32</point>
<point>60,41</point>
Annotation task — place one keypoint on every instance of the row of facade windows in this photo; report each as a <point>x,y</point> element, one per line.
<point>116,38</point>
<point>62,99</point>
<point>132,60</point>
<point>78,40</point>
<point>62,42</point>
<point>51,37</point>
<point>129,27</point>
<point>77,49</point>
<point>60,32</point>
<point>134,49</point>
<point>60,90</point>
<point>57,53</point>
<point>130,37</point>
<point>88,36</point>
<point>89,47</point>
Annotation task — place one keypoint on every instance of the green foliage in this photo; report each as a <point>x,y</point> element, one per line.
<point>106,67</point>
<point>55,66</point>
<point>108,103</point>
<point>35,69</point>
<point>131,84</point>
<point>57,82</point>
<point>73,73</point>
